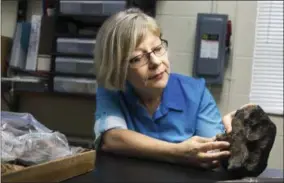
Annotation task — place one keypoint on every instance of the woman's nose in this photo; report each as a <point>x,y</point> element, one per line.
<point>154,60</point>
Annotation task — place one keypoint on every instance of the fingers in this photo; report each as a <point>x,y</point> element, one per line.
<point>207,157</point>
<point>214,138</point>
<point>227,121</point>
<point>210,165</point>
<point>209,146</point>
<point>247,105</point>
<point>221,137</point>
<point>201,157</point>
<point>228,125</point>
<point>203,139</point>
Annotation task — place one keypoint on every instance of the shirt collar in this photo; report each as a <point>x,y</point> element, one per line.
<point>172,97</point>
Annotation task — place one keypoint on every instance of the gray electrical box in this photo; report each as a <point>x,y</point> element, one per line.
<point>210,47</point>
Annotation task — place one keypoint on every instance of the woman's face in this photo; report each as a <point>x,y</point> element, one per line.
<point>150,71</point>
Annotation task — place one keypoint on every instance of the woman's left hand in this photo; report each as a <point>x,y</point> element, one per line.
<point>227,119</point>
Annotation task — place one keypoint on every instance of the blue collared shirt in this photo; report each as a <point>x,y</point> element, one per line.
<point>187,108</point>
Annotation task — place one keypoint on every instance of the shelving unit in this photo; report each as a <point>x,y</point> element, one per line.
<point>73,47</point>
<point>90,23</point>
<point>83,24</point>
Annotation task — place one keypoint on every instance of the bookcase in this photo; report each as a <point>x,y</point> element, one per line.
<point>59,45</point>
<point>62,63</point>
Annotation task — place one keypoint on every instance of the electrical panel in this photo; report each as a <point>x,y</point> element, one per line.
<point>211,47</point>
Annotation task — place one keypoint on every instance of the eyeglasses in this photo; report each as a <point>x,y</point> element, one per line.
<point>144,58</point>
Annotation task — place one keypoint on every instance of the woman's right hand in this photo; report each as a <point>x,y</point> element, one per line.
<point>195,151</point>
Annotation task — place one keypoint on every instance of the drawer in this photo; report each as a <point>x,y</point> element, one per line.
<point>28,83</point>
<point>75,85</point>
<point>76,46</point>
<point>74,65</point>
<point>105,8</point>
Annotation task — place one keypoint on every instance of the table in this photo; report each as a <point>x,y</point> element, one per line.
<point>116,168</point>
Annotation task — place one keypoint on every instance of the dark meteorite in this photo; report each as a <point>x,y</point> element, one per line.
<point>251,139</point>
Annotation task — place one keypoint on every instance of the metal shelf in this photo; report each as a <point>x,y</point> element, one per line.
<point>67,35</point>
<point>75,75</point>
<point>29,73</point>
<point>65,94</point>
<point>46,74</point>
<point>72,55</point>
<point>88,20</point>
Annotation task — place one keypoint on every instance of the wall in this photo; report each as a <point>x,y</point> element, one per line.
<point>177,19</point>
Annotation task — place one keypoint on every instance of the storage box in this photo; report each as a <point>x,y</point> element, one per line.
<point>20,45</point>
<point>74,65</point>
<point>76,46</point>
<point>45,43</point>
<point>91,7</point>
<point>54,171</point>
<point>75,85</point>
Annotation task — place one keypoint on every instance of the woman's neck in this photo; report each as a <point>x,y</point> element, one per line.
<point>151,100</point>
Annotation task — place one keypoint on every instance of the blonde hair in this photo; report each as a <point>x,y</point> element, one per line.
<point>116,40</point>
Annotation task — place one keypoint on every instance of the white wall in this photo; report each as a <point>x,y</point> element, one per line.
<point>178,20</point>
<point>8,17</point>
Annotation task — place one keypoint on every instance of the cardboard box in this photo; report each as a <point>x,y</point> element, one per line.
<point>54,171</point>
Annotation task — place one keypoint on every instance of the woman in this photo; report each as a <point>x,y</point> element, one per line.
<point>144,110</point>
